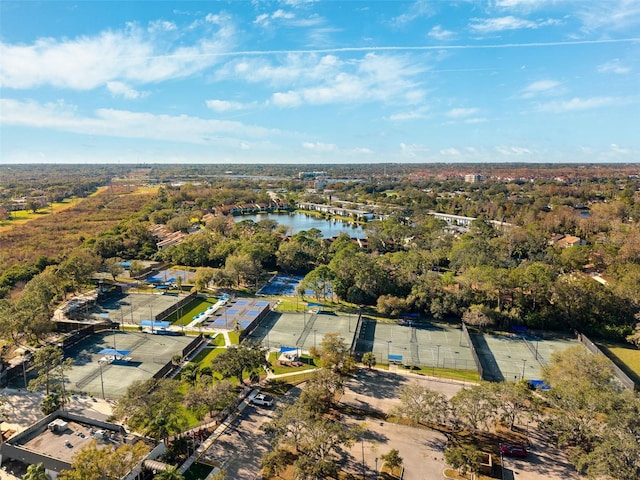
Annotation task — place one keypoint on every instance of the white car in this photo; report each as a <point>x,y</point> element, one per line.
<point>261,399</point>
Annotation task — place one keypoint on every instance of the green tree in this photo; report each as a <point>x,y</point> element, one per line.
<point>171,473</point>
<point>114,267</point>
<point>583,387</point>
<point>319,281</point>
<point>275,462</point>
<point>150,407</point>
<point>237,359</point>
<point>473,407</point>
<point>392,459</point>
<point>36,472</point>
<point>50,403</point>
<point>421,405</point>
<point>97,463</point>
<point>209,398</point>
<point>51,366</point>
<point>463,458</point>
<point>334,354</point>
<point>369,359</point>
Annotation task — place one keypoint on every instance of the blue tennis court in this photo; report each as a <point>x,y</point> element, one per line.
<point>281,285</point>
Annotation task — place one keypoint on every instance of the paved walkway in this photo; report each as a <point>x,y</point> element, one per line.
<point>202,449</point>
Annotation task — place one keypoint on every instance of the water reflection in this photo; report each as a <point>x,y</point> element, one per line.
<point>300,221</point>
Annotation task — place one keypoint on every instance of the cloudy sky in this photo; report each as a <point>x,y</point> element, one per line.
<point>296,81</point>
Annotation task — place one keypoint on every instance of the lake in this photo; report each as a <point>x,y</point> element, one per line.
<point>301,221</point>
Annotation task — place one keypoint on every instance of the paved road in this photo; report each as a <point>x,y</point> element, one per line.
<point>240,448</point>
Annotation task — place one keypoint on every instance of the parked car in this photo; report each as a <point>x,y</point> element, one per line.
<point>511,450</point>
<point>261,399</point>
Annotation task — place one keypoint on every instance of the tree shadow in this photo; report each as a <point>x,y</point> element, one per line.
<point>376,384</point>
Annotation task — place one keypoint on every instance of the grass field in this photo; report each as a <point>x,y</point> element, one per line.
<point>197,306</point>
<point>624,356</point>
<point>206,355</point>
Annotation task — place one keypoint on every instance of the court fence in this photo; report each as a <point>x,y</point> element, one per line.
<point>175,307</point>
<point>476,359</point>
<point>593,348</point>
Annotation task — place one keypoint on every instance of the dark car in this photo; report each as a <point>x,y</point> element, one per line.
<point>513,450</point>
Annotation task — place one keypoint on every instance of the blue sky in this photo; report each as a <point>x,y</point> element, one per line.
<point>297,81</point>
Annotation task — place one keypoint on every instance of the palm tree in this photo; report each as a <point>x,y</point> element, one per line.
<point>171,473</point>
<point>36,472</point>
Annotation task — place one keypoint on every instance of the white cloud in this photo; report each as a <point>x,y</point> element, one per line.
<point>413,150</point>
<point>374,78</point>
<point>409,115</point>
<point>161,26</point>
<point>540,87</point>
<point>319,147</point>
<point>523,4</point>
<point>461,112</point>
<point>498,24</point>
<point>126,124</point>
<point>510,151</point>
<point>224,105</point>
<point>577,104</point>
<point>476,120</point>
<point>441,34</point>
<point>132,55</point>
<point>452,152</point>
<point>418,9</point>
<point>616,15</point>
<point>266,19</point>
<point>614,66</point>
<point>119,89</point>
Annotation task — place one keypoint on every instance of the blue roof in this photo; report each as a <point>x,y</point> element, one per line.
<point>113,351</point>
<point>288,349</point>
<point>151,323</point>
<point>395,358</point>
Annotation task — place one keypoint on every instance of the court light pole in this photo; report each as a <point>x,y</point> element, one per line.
<point>524,363</point>
<point>388,350</point>
<point>101,379</point>
<point>438,357</point>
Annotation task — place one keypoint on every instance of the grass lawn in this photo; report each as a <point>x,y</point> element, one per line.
<point>234,337</point>
<point>277,369</point>
<point>624,356</point>
<point>462,375</point>
<point>206,355</point>
<point>190,310</point>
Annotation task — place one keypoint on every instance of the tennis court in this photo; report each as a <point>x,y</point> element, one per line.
<point>133,308</point>
<point>170,275</point>
<point>302,330</point>
<point>281,285</point>
<point>514,357</point>
<point>149,353</point>
<point>418,344</point>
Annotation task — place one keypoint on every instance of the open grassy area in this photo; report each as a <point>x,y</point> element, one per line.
<point>198,305</point>
<point>624,356</point>
<point>206,355</point>
<point>462,375</point>
<point>278,369</point>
